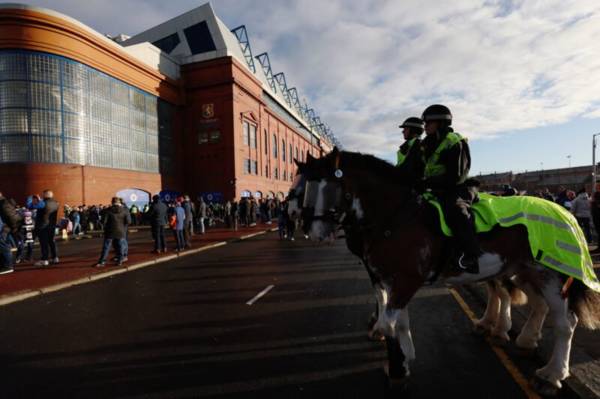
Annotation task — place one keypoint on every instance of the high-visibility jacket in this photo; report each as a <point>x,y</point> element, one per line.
<point>555,238</point>
<point>433,167</point>
<point>405,150</point>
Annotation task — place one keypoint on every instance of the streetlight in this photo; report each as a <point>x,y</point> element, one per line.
<point>569,157</point>
<point>594,162</point>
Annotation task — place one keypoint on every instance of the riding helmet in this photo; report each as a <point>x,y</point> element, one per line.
<point>437,112</point>
<point>414,123</point>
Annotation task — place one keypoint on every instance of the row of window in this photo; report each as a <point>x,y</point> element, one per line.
<point>249,138</point>
<point>251,168</point>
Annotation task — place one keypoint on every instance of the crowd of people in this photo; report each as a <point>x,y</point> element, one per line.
<point>38,220</point>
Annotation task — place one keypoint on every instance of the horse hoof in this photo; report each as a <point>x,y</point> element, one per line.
<point>543,387</point>
<point>480,330</point>
<point>526,352</point>
<point>376,336</point>
<point>499,340</point>
<point>397,385</point>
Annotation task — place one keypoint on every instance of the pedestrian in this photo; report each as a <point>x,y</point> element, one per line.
<point>158,219</point>
<point>116,220</point>
<point>45,225</point>
<point>26,237</point>
<point>235,214</point>
<point>202,212</point>
<point>134,214</point>
<point>595,211</point>
<point>10,223</point>
<point>75,218</point>
<point>179,226</point>
<point>188,228</point>
<point>580,207</point>
<point>282,222</point>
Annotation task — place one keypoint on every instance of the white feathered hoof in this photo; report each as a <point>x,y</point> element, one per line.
<point>544,387</point>
<point>375,335</point>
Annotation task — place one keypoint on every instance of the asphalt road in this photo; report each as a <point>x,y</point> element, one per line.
<point>183,330</point>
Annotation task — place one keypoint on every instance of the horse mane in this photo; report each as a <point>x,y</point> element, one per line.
<point>380,167</point>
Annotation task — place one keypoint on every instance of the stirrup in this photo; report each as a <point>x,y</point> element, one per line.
<point>466,269</point>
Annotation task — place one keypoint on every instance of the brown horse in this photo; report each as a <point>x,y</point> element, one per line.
<point>403,247</point>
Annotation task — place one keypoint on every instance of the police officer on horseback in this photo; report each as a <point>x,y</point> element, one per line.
<point>410,158</point>
<point>447,161</point>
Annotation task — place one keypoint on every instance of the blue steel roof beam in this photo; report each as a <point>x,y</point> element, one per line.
<point>265,63</point>
<point>242,36</point>
<point>280,79</point>
<point>295,100</point>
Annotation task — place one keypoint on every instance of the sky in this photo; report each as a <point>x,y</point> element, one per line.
<point>522,78</point>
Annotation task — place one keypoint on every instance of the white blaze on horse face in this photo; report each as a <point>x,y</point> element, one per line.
<point>490,264</point>
<point>320,203</point>
<point>319,229</point>
<point>357,208</point>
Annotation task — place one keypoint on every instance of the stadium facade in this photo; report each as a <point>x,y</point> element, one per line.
<point>182,107</point>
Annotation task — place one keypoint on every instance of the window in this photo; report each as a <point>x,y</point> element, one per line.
<point>274,146</point>
<point>254,167</point>
<point>199,38</point>
<point>285,175</point>
<point>297,157</point>
<point>276,173</point>
<point>168,44</point>
<point>252,137</point>
<point>247,167</point>
<point>267,171</point>
<point>246,133</point>
<point>283,150</point>
<point>53,109</point>
<point>202,137</point>
<point>215,136</point>
<point>266,143</point>
<point>291,154</point>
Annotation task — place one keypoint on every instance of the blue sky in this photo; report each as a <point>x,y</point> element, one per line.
<point>521,77</point>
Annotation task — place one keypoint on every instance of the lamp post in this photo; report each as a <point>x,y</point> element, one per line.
<point>569,158</point>
<point>594,162</point>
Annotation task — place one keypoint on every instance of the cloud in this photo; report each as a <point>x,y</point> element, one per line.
<point>500,65</point>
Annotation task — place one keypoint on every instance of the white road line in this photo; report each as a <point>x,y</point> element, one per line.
<point>260,295</point>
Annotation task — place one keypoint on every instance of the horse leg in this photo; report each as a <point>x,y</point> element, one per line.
<point>399,345</point>
<point>564,322</point>
<point>499,333</point>
<point>531,332</point>
<point>375,333</point>
<point>490,316</point>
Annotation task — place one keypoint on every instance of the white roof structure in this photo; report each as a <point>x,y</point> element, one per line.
<point>199,35</point>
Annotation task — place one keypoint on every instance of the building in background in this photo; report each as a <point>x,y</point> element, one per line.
<point>184,107</point>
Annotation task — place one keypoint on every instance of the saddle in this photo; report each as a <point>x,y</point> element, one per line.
<point>555,238</point>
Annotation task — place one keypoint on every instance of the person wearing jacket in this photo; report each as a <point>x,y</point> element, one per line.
<point>188,225</point>
<point>580,208</point>
<point>158,219</point>
<point>180,220</point>
<point>447,161</point>
<point>595,211</point>
<point>202,213</point>
<point>409,156</point>
<point>116,220</point>
<point>45,224</point>
<point>10,224</point>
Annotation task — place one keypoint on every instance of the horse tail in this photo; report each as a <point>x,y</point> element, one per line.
<point>517,297</point>
<point>585,302</point>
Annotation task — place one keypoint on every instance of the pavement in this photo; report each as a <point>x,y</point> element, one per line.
<point>254,318</point>
<point>77,256</point>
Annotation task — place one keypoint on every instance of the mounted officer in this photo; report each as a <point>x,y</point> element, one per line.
<point>409,155</point>
<point>447,162</point>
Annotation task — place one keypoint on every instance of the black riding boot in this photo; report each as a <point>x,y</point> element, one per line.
<point>464,234</point>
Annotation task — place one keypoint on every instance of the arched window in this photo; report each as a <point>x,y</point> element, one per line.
<point>266,143</point>
<point>283,150</point>
<point>275,146</point>
<point>291,154</point>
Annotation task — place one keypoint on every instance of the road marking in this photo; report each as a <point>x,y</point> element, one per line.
<point>504,359</point>
<point>260,295</point>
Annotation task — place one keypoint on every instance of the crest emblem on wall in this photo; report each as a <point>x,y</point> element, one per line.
<point>208,111</point>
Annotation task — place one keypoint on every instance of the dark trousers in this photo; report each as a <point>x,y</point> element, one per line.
<point>47,244</point>
<point>115,242</point>
<point>6,259</point>
<point>187,232</point>
<point>179,238</point>
<point>124,244</point>
<point>585,226</point>
<point>158,233</point>
<point>461,224</point>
